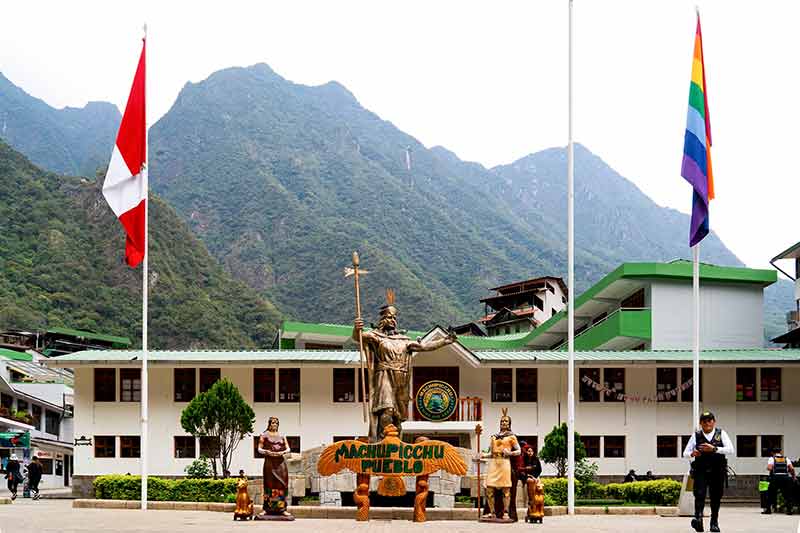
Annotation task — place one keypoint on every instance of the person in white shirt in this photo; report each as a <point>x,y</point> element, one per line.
<point>709,447</point>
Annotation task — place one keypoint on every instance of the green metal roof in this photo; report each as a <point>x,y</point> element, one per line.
<point>117,357</point>
<point>14,355</point>
<point>676,270</point>
<point>90,335</point>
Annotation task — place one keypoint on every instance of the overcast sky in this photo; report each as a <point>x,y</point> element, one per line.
<point>487,80</point>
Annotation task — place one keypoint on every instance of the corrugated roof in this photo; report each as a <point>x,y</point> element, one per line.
<point>14,355</point>
<point>486,357</point>
<point>41,374</point>
<point>89,335</point>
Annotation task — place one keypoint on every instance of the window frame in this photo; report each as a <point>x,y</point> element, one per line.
<point>105,446</point>
<point>344,385</point>
<point>668,442</point>
<point>128,444</point>
<point>261,385</point>
<point>184,446</point>
<point>592,395</point>
<point>179,388</point>
<point>203,381</point>
<point>287,375</point>
<point>131,375</point>
<point>740,446</point>
<point>52,415</point>
<point>495,382</point>
<point>612,397</point>
<point>606,446</point>
<point>523,395</point>
<point>768,389</point>
<point>767,445</point>
<point>598,447</point>
<point>740,384</point>
<point>107,379</point>
<point>662,386</point>
<point>687,395</point>
<point>205,444</point>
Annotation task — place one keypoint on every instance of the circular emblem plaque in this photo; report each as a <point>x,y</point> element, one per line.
<point>436,400</point>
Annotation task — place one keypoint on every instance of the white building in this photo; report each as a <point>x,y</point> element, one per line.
<point>640,309</point>
<point>38,401</point>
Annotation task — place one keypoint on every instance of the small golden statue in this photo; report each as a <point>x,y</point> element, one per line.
<point>535,501</point>
<point>244,505</point>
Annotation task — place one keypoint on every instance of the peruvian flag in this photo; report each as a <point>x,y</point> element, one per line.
<point>125,186</point>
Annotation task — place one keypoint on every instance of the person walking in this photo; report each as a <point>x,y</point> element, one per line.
<point>709,447</point>
<point>34,477</point>
<point>781,476</point>
<point>13,475</point>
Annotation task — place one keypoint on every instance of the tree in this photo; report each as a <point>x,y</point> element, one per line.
<point>554,450</point>
<point>221,414</point>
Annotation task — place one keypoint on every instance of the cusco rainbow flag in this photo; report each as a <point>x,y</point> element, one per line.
<point>696,166</point>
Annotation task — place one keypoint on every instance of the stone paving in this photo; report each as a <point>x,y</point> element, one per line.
<point>51,516</point>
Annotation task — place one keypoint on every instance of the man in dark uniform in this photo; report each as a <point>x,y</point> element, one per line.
<point>781,476</point>
<point>708,447</point>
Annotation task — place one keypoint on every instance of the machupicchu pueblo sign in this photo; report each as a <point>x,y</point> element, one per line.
<point>391,458</point>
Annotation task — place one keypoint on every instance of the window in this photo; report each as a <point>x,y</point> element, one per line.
<point>339,438</point>
<point>614,446</point>
<point>184,384</point>
<point>289,385</point>
<point>344,385</point>
<point>105,386</point>
<point>130,385</point>
<point>209,376</point>
<point>36,412</point>
<point>686,375</point>
<point>769,443</point>
<point>592,445</point>
<point>6,401</point>
<point>209,446</point>
<point>588,392</point>
<point>746,445</point>
<point>185,448</point>
<point>104,446</point>
<point>47,466</point>
<point>615,380</point>
<point>530,440</point>
<point>527,379</point>
<point>294,443</point>
<point>770,385</point>
<point>667,446</point>
<point>130,446</point>
<point>745,384</point>
<point>52,423</point>
<point>501,385</point>
<point>666,380</point>
<point>264,384</point>
<point>22,405</point>
<point>635,300</point>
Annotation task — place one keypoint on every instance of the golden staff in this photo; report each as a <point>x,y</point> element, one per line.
<point>355,272</point>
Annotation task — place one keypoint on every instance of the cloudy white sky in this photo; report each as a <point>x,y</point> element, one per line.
<point>485,79</point>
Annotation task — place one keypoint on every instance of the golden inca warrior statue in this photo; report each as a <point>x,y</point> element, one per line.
<point>502,447</point>
<point>389,353</point>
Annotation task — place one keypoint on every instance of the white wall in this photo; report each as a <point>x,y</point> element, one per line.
<point>731,316</point>
<point>317,419</point>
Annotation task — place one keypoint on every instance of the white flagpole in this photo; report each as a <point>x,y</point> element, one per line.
<point>145,272</point>
<point>571,297</point>
<point>696,355</point>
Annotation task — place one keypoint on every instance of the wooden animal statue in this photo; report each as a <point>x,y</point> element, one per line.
<point>244,505</point>
<point>535,501</point>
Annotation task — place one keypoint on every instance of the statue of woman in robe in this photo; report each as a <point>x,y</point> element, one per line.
<point>274,447</point>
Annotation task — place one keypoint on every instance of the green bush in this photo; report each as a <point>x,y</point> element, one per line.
<point>658,492</point>
<point>119,487</point>
<point>592,490</point>
<point>555,490</point>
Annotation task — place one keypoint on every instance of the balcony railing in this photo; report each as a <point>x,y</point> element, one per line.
<point>469,409</point>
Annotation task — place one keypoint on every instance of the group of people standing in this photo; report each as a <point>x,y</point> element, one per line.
<point>14,476</point>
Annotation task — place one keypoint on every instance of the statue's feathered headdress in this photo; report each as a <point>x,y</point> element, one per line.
<point>505,416</point>
<point>389,309</point>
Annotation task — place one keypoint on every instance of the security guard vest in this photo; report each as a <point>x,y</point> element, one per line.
<point>710,461</point>
<point>780,467</point>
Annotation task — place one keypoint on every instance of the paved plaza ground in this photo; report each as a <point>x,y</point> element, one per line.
<point>52,516</point>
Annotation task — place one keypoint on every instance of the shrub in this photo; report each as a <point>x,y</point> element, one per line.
<point>658,492</point>
<point>555,490</point>
<point>592,490</point>
<point>199,469</point>
<point>118,487</point>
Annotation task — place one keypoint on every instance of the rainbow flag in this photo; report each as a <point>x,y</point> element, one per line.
<point>696,168</point>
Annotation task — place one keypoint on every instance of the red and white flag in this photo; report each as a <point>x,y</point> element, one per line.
<point>125,186</point>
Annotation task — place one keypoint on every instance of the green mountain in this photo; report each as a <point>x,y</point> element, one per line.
<point>282,181</point>
<point>62,264</point>
<point>67,141</point>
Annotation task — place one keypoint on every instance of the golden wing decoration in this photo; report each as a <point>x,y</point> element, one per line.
<point>451,462</point>
<point>328,463</point>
